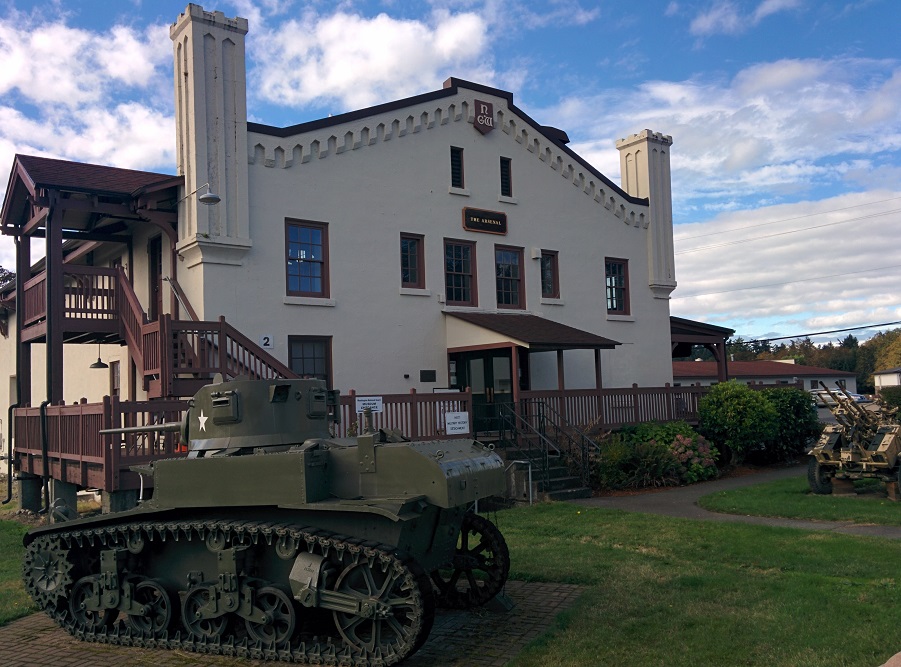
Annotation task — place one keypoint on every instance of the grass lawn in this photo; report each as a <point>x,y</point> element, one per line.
<point>673,592</point>
<point>791,498</point>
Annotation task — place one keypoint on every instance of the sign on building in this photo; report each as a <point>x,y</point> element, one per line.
<point>374,403</point>
<point>456,423</point>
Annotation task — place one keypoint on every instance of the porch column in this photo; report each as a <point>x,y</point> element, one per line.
<point>514,372</point>
<point>561,381</point>
<point>23,351</point>
<point>598,378</point>
<point>55,310</point>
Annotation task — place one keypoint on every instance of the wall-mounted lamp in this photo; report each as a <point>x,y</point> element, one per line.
<point>99,363</point>
<point>209,197</point>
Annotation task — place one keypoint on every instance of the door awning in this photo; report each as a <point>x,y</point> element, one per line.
<point>467,331</point>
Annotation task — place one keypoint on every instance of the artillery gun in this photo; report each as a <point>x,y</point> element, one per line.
<point>274,540</point>
<point>862,443</point>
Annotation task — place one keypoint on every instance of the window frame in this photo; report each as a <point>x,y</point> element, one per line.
<point>327,357</point>
<point>553,256</point>
<point>520,291</point>
<point>456,154</point>
<point>508,181</point>
<point>473,278</point>
<point>419,256</point>
<point>623,289</point>
<point>322,227</point>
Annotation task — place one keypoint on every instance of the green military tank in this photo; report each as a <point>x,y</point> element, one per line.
<point>862,443</point>
<point>274,540</point>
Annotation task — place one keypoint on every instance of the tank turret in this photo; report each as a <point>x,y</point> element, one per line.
<point>274,539</point>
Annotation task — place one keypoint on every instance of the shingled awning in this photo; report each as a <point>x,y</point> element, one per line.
<point>538,334</point>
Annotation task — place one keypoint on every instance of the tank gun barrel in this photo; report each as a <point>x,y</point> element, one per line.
<point>150,428</point>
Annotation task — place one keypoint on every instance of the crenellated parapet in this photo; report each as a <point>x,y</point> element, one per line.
<point>296,150</point>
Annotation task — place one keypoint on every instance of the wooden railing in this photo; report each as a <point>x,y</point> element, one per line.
<point>79,454</point>
<point>416,416</point>
<point>89,293</point>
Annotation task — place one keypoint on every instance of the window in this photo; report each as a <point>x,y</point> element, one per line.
<point>412,261</point>
<point>550,278</point>
<point>307,258</point>
<point>506,177</point>
<point>311,357</point>
<point>508,275</point>
<point>460,273</point>
<point>617,271</point>
<point>456,155</point>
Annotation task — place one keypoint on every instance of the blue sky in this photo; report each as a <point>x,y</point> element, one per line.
<point>785,115</point>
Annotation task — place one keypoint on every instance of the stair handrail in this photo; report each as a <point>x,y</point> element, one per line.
<point>261,354</point>
<point>575,438</point>
<point>132,318</point>
<point>510,417</point>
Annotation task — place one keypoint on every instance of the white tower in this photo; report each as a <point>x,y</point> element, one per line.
<point>645,167</point>
<point>211,130</point>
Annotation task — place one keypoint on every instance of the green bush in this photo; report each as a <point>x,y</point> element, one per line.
<point>736,419</point>
<point>624,463</point>
<point>891,396</point>
<point>797,425</point>
<point>696,457</point>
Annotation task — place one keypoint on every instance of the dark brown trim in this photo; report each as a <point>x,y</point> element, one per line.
<point>473,275</point>
<point>324,262</point>
<point>419,283</point>
<point>327,340</point>
<point>626,297</point>
<point>521,279</point>
<point>554,256</point>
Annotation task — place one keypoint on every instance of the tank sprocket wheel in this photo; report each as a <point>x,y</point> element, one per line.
<point>89,619</point>
<point>158,605</point>
<point>46,571</point>
<point>479,569</point>
<point>397,606</point>
<point>281,618</point>
<point>204,628</point>
<point>818,478</point>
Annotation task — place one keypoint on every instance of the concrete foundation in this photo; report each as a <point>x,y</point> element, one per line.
<point>30,488</point>
<point>63,500</point>
<point>118,501</point>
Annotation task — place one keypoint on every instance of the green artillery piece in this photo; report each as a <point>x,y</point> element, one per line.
<point>863,443</point>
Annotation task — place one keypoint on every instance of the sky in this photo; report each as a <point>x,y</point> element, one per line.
<point>785,116</point>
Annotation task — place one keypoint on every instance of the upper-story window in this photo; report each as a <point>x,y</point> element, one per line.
<point>506,177</point>
<point>412,263</point>
<point>460,273</point>
<point>550,275</point>
<point>456,164</point>
<point>617,282</point>
<point>508,277</point>
<point>306,250</point>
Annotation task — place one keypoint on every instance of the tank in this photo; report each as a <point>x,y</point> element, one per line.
<point>863,443</point>
<point>274,540</point>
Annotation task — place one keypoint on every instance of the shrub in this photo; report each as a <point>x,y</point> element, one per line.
<point>736,419</point>
<point>891,396</point>
<point>796,425</point>
<point>624,463</point>
<point>696,457</point>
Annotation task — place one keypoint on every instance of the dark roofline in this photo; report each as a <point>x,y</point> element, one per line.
<point>451,88</point>
<point>695,324</point>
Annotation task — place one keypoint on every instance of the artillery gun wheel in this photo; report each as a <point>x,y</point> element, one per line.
<point>158,603</point>
<point>88,619</point>
<point>280,617</point>
<point>818,477</point>
<point>396,605</point>
<point>192,616</point>
<point>479,569</point>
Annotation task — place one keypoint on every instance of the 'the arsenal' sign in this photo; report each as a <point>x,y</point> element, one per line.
<point>484,119</point>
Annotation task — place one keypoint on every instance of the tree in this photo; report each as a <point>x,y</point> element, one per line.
<point>889,356</point>
<point>5,276</point>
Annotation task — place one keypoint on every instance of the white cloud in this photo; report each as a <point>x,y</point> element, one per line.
<point>357,61</point>
<point>725,17</point>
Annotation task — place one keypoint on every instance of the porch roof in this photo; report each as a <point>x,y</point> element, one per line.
<point>530,331</point>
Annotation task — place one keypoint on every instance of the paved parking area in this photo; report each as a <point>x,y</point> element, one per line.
<point>479,638</point>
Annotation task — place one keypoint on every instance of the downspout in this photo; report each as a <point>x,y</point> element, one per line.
<point>45,478</point>
<point>9,456</point>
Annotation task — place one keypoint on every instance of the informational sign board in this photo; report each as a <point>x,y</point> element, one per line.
<point>374,403</point>
<point>456,423</point>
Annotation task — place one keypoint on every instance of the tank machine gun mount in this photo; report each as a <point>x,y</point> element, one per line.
<point>863,443</point>
<point>274,540</point>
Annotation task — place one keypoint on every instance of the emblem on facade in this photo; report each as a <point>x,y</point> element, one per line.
<point>484,120</point>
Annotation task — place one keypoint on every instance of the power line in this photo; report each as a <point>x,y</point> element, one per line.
<point>788,282</point>
<point>797,217</point>
<point>792,231</point>
<point>823,333</point>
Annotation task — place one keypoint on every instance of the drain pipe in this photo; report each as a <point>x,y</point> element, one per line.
<point>9,455</point>
<point>44,455</point>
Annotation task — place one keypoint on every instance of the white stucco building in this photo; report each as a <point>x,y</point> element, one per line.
<point>440,241</point>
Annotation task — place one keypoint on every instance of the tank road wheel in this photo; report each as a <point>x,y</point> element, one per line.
<point>158,605</point>
<point>818,477</point>
<point>45,570</point>
<point>84,590</point>
<point>280,617</point>
<point>479,569</point>
<point>205,628</point>
<point>396,607</point>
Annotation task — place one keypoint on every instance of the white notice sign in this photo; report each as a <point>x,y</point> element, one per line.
<point>456,423</point>
<point>374,403</point>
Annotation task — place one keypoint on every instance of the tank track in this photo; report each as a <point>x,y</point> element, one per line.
<point>368,570</point>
